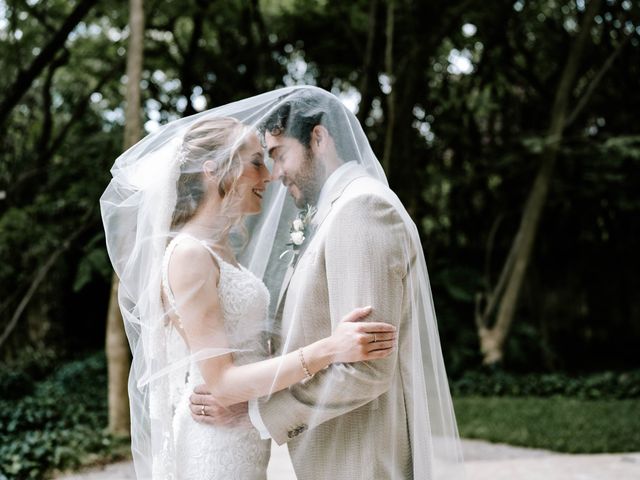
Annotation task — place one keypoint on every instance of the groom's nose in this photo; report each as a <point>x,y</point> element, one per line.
<point>276,173</point>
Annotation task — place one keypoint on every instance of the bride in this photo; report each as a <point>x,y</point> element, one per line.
<point>173,217</point>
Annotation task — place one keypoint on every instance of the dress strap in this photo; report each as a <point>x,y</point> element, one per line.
<point>165,277</point>
<point>165,267</point>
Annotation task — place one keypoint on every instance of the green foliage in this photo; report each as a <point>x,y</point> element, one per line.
<point>466,145</point>
<point>15,385</point>
<point>560,424</point>
<point>623,147</point>
<point>605,385</point>
<point>465,148</point>
<point>60,425</point>
<point>460,282</point>
<point>19,377</point>
<point>94,263</point>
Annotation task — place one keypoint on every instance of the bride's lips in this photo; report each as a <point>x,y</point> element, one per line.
<point>258,193</point>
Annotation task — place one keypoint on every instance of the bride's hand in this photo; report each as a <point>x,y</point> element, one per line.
<point>354,340</point>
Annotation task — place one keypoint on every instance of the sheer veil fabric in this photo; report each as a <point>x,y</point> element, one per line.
<point>398,410</point>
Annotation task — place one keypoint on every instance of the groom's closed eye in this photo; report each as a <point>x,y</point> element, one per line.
<point>276,153</point>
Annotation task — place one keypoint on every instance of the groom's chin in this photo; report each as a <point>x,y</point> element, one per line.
<point>298,199</point>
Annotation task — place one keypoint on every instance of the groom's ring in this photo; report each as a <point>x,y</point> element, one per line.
<point>374,338</point>
<point>202,410</point>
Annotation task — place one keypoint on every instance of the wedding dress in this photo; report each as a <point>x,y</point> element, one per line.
<point>206,452</point>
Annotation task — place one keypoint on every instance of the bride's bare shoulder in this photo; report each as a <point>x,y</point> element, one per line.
<point>191,262</point>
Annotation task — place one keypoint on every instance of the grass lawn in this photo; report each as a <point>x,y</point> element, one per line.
<point>554,423</point>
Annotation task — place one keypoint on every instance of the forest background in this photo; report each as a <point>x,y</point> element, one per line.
<point>509,129</point>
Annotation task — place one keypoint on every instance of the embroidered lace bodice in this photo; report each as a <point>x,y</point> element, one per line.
<point>205,452</point>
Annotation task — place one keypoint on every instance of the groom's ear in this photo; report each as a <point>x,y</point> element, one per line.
<point>319,138</point>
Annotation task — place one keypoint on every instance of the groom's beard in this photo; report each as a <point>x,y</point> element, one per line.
<point>309,179</point>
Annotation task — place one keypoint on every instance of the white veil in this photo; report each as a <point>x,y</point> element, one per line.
<point>138,210</point>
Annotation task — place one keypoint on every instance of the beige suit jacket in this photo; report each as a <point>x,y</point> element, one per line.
<point>350,421</point>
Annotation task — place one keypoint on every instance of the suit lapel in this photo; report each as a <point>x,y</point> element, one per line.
<point>285,284</point>
<point>323,211</point>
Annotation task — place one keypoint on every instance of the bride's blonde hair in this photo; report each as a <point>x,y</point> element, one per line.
<point>216,141</point>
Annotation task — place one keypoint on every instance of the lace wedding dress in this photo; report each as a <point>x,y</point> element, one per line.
<point>205,452</point>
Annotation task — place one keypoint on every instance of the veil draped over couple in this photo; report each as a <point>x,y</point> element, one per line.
<point>273,287</point>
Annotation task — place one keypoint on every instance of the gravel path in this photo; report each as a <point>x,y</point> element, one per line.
<point>487,461</point>
<point>484,461</point>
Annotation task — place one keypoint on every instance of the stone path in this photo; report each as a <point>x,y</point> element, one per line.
<point>484,461</point>
<point>488,461</point>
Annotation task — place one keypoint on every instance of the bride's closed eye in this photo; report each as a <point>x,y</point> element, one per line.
<point>257,160</point>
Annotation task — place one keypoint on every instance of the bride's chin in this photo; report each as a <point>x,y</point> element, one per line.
<point>253,211</point>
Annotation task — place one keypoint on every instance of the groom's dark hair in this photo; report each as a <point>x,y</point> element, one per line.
<point>300,111</point>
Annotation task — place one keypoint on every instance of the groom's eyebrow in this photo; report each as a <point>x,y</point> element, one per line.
<point>273,149</point>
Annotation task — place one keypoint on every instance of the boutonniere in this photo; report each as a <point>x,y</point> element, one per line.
<point>299,230</point>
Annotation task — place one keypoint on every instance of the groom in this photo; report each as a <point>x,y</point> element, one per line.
<point>349,421</point>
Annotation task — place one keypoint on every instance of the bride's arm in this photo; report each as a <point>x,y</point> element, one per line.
<point>194,276</point>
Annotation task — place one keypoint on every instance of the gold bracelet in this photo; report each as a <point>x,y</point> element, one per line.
<point>307,373</point>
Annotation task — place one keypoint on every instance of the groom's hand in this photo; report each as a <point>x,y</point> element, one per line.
<point>206,409</point>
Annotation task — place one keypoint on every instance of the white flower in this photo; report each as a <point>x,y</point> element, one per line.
<point>297,237</point>
<point>298,231</point>
<point>298,225</point>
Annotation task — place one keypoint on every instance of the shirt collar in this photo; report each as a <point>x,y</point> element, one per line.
<point>332,180</point>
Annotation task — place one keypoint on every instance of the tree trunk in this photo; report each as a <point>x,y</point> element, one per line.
<point>492,339</point>
<point>368,72</point>
<point>258,40</point>
<point>118,363</point>
<point>133,119</point>
<point>390,116</point>
<point>116,345</point>
<point>188,77</point>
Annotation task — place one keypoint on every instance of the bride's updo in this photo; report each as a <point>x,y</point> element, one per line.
<point>214,142</point>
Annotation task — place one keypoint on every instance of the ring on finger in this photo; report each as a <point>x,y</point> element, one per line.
<point>374,338</point>
<point>202,410</point>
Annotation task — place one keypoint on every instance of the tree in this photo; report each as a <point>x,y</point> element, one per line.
<point>26,77</point>
<point>508,289</point>
<point>116,346</point>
